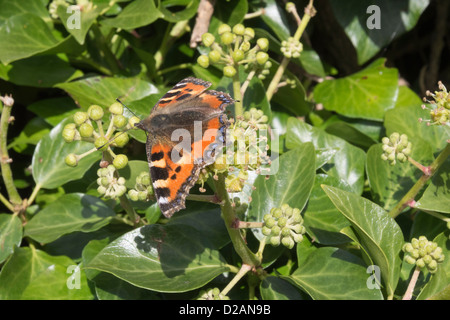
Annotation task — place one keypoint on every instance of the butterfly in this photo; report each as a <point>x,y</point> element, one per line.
<point>186,131</point>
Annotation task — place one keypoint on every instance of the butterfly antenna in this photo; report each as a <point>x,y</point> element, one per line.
<point>118,100</point>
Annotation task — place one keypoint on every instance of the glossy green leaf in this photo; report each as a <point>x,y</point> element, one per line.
<point>54,110</point>
<point>33,132</point>
<point>104,91</point>
<point>334,274</point>
<point>366,94</point>
<point>71,212</point>
<point>390,183</point>
<point>171,258</point>
<point>322,220</point>
<point>11,8</point>
<point>291,184</point>
<point>78,22</point>
<point>394,17</point>
<point>405,119</point>
<point>39,71</point>
<point>171,15</point>
<point>136,14</point>
<point>274,288</point>
<point>33,274</point>
<point>347,164</point>
<point>10,234</point>
<point>379,234</point>
<point>48,165</point>
<point>25,35</point>
<point>437,195</point>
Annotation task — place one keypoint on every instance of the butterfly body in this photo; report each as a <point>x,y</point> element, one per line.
<point>186,130</point>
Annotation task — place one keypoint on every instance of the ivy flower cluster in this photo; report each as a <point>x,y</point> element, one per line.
<point>284,225</point>
<point>423,253</point>
<point>396,147</point>
<point>233,48</point>
<point>440,106</point>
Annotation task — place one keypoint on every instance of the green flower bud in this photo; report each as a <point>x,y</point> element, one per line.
<point>86,130</point>
<point>263,44</point>
<point>276,212</point>
<point>142,195</point>
<point>282,221</point>
<point>145,178</point>
<point>229,71</point>
<point>227,38</point>
<point>238,55</point>
<point>133,195</point>
<point>208,39</point>
<point>101,190</point>
<point>432,267</point>
<point>214,56</point>
<point>288,242</point>
<point>410,260</point>
<point>95,112</point>
<point>275,241</point>
<point>120,121</point>
<point>420,263</point>
<point>101,143</point>
<point>427,259</point>
<point>266,231</point>
<point>285,232</point>
<point>132,121</point>
<point>297,237</point>
<point>203,61</point>
<point>71,160</point>
<point>121,139</point>
<point>239,29</point>
<point>116,108</point>
<point>407,247</point>
<point>120,161</point>
<point>385,141</point>
<point>249,33</point>
<point>80,117</point>
<point>261,57</point>
<point>275,230</point>
<point>69,133</point>
<point>401,157</point>
<point>223,28</point>
<point>245,46</point>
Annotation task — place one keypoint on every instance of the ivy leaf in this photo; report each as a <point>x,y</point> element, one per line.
<point>347,163</point>
<point>48,164</point>
<point>379,234</point>
<point>34,274</point>
<point>71,212</point>
<point>25,35</point>
<point>437,195</point>
<point>103,91</point>
<point>388,183</point>
<point>164,258</point>
<point>354,17</point>
<point>366,94</point>
<point>274,288</point>
<point>333,274</point>
<point>291,184</point>
<point>10,234</point>
<point>136,14</point>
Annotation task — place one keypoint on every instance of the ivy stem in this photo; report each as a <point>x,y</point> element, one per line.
<point>250,224</point>
<point>5,160</point>
<point>230,218</point>
<point>309,13</point>
<point>242,272</point>
<point>410,195</point>
<point>424,169</point>
<point>34,194</point>
<point>124,201</point>
<point>238,104</point>
<point>412,284</point>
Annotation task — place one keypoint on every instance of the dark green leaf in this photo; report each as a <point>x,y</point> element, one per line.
<point>48,165</point>
<point>71,212</point>
<point>379,234</point>
<point>366,94</point>
<point>10,234</point>
<point>347,164</point>
<point>274,288</point>
<point>334,274</point>
<point>291,183</point>
<point>136,14</point>
<point>171,258</point>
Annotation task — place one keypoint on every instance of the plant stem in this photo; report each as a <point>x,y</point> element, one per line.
<point>238,104</point>
<point>309,12</point>
<point>34,194</point>
<point>410,195</point>
<point>412,284</point>
<point>242,272</point>
<point>230,219</point>
<point>7,176</point>
<point>250,224</point>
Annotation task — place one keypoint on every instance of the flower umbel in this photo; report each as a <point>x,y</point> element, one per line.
<point>423,253</point>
